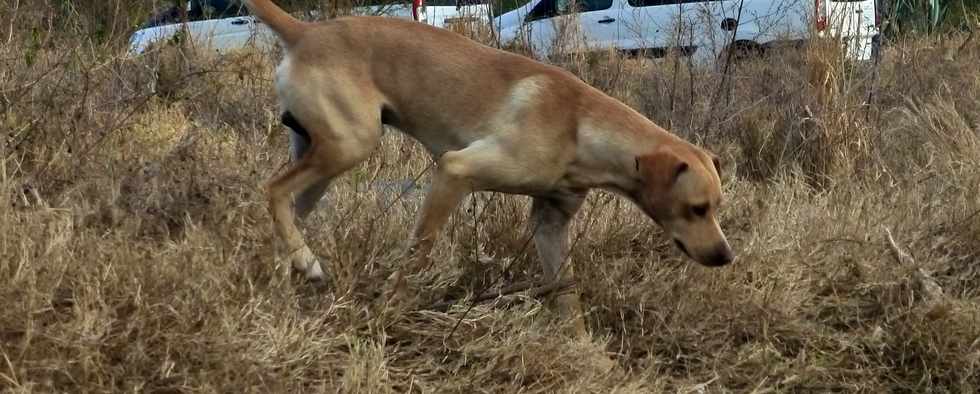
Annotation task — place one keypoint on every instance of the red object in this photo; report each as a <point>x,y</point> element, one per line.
<point>417,9</point>
<point>821,19</point>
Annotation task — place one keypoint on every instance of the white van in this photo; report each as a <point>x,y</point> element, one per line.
<point>223,25</point>
<point>703,29</point>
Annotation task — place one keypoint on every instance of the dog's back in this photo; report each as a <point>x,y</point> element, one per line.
<point>435,83</point>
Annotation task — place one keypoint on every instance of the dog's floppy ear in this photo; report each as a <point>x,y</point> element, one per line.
<point>661,168</point>
<point>678,170</point>
<point>717,164</point>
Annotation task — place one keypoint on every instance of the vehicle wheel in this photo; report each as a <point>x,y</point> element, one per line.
<point>743,50</point>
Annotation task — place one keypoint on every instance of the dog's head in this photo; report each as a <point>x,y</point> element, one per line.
<point>681,191</point>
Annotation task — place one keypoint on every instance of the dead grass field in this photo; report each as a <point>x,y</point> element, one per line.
<point>137,254</point>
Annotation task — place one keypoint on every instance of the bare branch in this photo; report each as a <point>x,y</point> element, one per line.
<point>532,291</point>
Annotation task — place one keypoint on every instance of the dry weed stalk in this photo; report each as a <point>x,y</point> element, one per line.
<point>922,280</point>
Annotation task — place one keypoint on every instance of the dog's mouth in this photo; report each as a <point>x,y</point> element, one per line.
<point>680,245</point>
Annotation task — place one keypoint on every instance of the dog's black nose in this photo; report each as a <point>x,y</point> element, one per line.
<point>722,256</point>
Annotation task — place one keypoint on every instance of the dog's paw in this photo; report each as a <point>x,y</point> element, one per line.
<point>304,261</point>
<point>569,311</point>
<point>314,273</point>
<point>394,287</point>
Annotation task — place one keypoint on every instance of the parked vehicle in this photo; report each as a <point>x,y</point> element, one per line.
<point>223,25</point>
<point>448,13</point>
<point>702,29</point>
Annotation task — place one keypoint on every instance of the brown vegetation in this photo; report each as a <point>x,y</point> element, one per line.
<point>137,254</point>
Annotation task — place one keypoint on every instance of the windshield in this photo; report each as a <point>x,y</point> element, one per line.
<point>500,7</point>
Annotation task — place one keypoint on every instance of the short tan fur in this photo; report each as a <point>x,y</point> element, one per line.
<point>492,120</point>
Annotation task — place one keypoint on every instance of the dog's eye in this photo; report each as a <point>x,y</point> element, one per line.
<point>700,210</point>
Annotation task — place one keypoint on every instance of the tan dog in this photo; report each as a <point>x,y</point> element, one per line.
<point>493,120</point>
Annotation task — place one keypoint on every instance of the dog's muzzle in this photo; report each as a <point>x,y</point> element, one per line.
<point>722,255</point>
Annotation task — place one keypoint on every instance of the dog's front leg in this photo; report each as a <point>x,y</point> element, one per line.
<point>449,187</point>
<point>445,195</point>
<point>549,221</point>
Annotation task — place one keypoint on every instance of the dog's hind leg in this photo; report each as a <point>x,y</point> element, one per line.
<point>299,145</point>
<point>549,222</point>
<point>307,199</point>
<point>328,155</point>
<point>299,177</point>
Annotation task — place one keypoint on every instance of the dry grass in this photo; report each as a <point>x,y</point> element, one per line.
<point>137,253</point>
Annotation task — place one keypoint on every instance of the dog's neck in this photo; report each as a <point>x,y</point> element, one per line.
<point>610,138</point>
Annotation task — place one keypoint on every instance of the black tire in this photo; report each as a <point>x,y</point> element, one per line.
<point>744,50</point>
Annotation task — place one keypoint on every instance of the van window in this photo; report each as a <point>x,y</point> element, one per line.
<point>587,5</point>
<point>552,8</point>
<point>215,9</point>
<point>650,3</point>
<point>440,3</point>
<point>392,3</point>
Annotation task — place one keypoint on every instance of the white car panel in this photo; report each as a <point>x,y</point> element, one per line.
<point>226,34</point>
<point>856,21</point>
<point>703,28</point>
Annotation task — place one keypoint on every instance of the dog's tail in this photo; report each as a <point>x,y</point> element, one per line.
<point>288,28</point>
